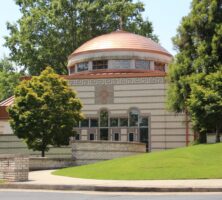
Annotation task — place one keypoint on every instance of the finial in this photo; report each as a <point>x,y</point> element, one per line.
<point>121,23</point>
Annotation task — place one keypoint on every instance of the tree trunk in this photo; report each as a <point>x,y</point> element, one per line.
<point>202,137</point>
<point>43,152</point>
<point>217,135</point>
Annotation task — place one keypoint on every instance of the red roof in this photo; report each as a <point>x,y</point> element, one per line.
<point>121,40</point>
<point>7,102</point>
<point>3,107</point>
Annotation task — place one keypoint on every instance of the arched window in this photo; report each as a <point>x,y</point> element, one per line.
<point>104,118</point>
<point>134,117</point>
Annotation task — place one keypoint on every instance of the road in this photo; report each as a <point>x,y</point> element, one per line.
<point>61,195</point>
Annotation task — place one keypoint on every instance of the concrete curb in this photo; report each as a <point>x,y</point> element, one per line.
<point>107,188</point>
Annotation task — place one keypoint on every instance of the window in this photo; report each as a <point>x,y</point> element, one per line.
<point>104,116</point>
<point>144,121</point>
<point>131,137</point>
<point>91,136</point>
<point>142,64</point>
<point>85,123</point>
<point>134,117</point>
<point>100,64</point>
<point>123,122</point>
<point>121,64</point>
<point>116,136</point>
<point>82,66</point>
<point>104,134</point>
<point>94,122</point>
<point>159,66</point>
<point>114,122</point>
<point>71,70</point>
<point>143,135</point>
<point>77,136</point>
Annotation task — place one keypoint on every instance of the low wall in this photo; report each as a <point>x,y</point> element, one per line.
<point>14,167</point>
<point>40,163</point>
<point>85,152</point>
<point>211,138</point>
<point>11,144</point>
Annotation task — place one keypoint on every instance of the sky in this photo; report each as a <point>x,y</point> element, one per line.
<point>164,14</point>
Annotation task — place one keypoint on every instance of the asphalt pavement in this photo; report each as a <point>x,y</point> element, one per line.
<point>61,195</point>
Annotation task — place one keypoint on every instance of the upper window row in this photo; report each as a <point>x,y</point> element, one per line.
<point>159,66</point>
<point>117,64</point>
<point>82,66</point>
<point>133,120</point>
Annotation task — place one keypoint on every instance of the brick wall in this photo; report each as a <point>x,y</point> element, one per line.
<point>14,167</point>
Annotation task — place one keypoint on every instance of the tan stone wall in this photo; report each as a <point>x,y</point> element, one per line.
<point>167,130</point>
<point>147,94</point>
<point>50,163</point>
<point>10,144</point>
<point>85,152</point>
<point>14,167</point>
<point>5,127</point>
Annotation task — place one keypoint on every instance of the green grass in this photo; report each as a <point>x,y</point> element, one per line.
<point>195,162</point>
<point>1,181</point>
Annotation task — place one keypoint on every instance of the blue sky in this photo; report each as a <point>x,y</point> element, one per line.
<point>164,14</point>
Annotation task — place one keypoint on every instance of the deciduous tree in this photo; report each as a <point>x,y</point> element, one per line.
<point>48,31</point>
<point>205,103</point>
<point>9,78</point>
<point>44,112</point>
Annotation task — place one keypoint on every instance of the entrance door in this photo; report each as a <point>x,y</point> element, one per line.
<point>144,137</point>
<point>104,134</point>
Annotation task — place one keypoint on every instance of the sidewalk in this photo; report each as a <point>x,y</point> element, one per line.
<point>45,180</point>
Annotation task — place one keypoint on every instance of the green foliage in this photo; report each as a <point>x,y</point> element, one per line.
<point>195,162</point>
<point>9,79</point>
<point>198,41</point>
<point>44,112</point>
<point>205,102</point>
<point>50,30</point>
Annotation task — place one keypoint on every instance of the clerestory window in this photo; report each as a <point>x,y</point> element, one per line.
<point>100,64</point>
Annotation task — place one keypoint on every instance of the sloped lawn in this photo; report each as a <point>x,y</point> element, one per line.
<point>195,162</point>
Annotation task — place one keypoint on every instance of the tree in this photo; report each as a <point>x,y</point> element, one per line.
<point>198,41</point>
<point>205,103</point>
<point>44,112</point>
<point>9,78</point>
<point>50,30</point>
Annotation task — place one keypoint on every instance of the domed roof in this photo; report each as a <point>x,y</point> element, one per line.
<point>121,40</point>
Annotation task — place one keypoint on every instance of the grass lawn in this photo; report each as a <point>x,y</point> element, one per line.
<point>195,162</point>
<point>1,181</point>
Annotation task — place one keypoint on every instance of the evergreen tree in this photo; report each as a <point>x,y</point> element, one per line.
<point>198,42</point>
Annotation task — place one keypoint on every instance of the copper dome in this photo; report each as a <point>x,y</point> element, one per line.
<point>121,40</point>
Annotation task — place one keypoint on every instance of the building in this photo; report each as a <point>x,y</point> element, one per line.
<point>121,79</point>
